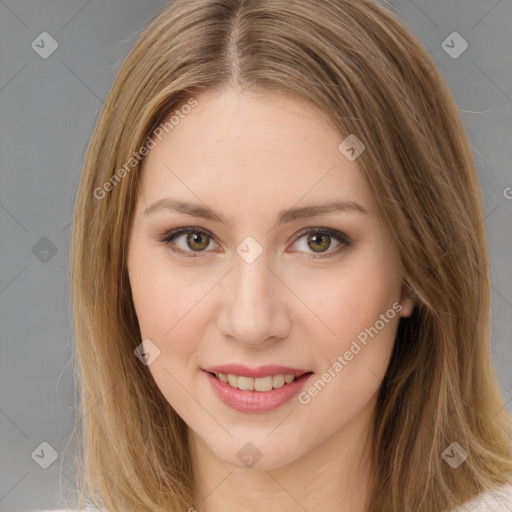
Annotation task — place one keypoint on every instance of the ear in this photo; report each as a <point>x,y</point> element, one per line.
<point>407,300</point>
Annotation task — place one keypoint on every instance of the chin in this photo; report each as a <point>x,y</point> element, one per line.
<point>258,453</point>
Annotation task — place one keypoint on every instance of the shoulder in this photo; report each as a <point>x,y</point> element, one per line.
<point>490,501</point>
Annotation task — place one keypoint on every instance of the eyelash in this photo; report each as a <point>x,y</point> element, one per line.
<point>337,235</point>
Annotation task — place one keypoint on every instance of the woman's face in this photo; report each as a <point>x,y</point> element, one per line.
<point>264,279</point>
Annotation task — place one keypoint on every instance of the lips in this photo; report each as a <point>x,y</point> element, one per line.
<point>256,390</point>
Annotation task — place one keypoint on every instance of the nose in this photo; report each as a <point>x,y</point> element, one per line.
<point>254,310</point>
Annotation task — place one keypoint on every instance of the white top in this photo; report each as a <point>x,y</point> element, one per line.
<point>491,501</point>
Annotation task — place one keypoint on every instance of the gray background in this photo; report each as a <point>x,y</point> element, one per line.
<point>47,110</point>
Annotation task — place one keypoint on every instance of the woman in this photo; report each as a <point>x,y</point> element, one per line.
<point>280,274</point>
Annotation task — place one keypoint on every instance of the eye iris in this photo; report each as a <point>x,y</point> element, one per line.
<point>320,242</point>
<point>197,238</point>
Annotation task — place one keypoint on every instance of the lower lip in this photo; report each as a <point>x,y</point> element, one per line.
<point>256,401</point>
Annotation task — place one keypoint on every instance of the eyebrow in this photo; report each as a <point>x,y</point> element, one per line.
<point>285,216</point>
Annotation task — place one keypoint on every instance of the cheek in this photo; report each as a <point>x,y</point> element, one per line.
<point>363,311</point>
<point>353,301</point>
<point>166,304</point>
<point>169,313</point>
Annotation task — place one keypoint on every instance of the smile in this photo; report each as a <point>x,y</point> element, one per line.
<point>256,394</point>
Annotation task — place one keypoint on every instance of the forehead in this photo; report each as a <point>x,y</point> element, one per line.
<point>236,148</point>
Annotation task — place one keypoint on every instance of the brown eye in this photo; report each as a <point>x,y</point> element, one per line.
<point>323,241</point>
<point>319,242</point>
<point>188,241</point>
<point>198,241</point>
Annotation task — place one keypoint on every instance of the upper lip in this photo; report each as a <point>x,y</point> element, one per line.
<point>260,371</point>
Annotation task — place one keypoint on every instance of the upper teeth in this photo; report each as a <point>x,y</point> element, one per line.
<point>258,383</point>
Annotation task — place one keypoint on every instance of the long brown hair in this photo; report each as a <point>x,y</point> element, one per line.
<point>356,62</point>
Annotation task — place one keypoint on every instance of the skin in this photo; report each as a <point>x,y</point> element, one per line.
<point>247,156</point>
